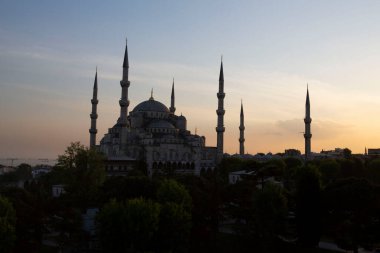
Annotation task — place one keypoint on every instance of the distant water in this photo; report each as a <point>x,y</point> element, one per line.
<point>30,161</point>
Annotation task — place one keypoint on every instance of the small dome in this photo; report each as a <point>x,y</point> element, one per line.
<point>161,124</point>
<point>151,106</point>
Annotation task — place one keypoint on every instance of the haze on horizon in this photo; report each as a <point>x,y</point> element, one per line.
<point>49,51</point>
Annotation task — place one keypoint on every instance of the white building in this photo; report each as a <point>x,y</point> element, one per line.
<point>236,176</point>
<point>57,190</point>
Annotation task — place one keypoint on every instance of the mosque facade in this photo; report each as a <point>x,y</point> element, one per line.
<point>154,134</point>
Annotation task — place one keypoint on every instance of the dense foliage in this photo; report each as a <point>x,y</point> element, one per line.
<point>7,225</point>
<point>278,204</point>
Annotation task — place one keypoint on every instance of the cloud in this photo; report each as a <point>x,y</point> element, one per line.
<point>327,129</point>
<point>291,126</point>
<point>321,129</point>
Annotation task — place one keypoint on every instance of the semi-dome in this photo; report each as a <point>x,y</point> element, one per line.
<point>161,124</point>
<point>151,106</point>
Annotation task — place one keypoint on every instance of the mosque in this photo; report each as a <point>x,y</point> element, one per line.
<point>151,132</point>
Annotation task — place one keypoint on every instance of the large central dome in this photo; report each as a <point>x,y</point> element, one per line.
<point>151,106</point>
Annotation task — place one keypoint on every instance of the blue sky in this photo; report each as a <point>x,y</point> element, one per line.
<point>271,49</point>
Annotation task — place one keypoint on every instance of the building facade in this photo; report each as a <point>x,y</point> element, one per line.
<point>153,134</point>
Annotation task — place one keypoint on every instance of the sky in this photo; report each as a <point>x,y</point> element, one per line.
<point>49,51</point>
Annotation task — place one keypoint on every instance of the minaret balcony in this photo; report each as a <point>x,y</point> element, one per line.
<point>241,140</point>
<point>93,115</point>
<point>94,101</point>
<point>125,83</point>
<point>220,129</point>
<point>241,128</point>
<point>123,103</point>
<point>307,120</point>
<point>307,136</point>
<point>93,131</point>
<point>220,112</point>
<point>221,95</point>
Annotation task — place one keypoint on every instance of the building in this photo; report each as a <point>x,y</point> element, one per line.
<point>336,153</point>
<point>152,133</point>
<point>57,190</point>
<point>40,170</point>
<point>236,176</point>
<point>373,151</point>
<point>6,169</point>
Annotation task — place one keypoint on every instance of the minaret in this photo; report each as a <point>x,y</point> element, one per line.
<point>220,112</point>
<point>172,107</point>
<point>124,83</point>
<point>94,115</point>
<point>241,128</point>
<point>307,134</point>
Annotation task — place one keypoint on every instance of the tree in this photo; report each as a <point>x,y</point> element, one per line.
<point>68,159</point>
<point>329,170</point>
<point>23,172</point>
<point>122,188</point>
<point>67,222</point>
<point>206,202</point>
<point>7,225</point>
<point>269,212</point>
<point>141,219</point>
<point>308,213</point>
<point>174,192</point>
<point>347,153</point>
<point>275,167</point>
<point>239,202</point>
<point>29,222</point>
<point>174,228</point>
<point>292,166</point>
<point>111,227</point>
<point>373,171</point>
<point>350,211</point>
<point>350,168</point>
<point>129,226</point>
<point>85,172</point>
<point>175,216</point>
<point>292,162</point>
<point>228,165</point>
<point>58,175</point>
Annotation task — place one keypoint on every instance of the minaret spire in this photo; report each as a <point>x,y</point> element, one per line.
<point>221,74</point>
<point>241,128</point>
<point>124,83</point>
<point>307,121</point>
<point>151,94</point>
<point>220,112</point>
<point>94,115</point>
<point>126,61</point>
<point>172,100</point>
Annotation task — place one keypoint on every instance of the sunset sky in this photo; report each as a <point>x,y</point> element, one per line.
<point>271,49</point>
